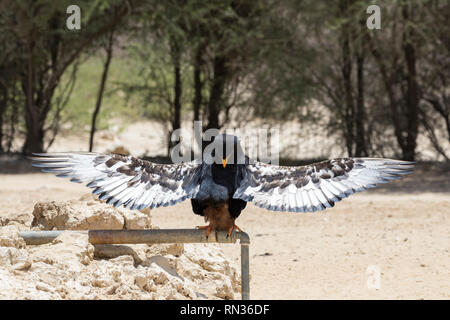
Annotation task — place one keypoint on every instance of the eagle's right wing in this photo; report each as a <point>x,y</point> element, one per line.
<point>125,180</point>
<point>317,186</point>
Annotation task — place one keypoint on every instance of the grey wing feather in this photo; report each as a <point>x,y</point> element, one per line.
<point>317,186</point>
<point>125,180</point>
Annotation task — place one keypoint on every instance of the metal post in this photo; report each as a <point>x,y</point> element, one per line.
<point>157,236</point>
<point>245,271</point>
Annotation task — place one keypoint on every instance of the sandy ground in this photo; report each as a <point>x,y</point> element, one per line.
<point>401,230</point>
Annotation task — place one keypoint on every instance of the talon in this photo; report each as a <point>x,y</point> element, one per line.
<point>231,230</point>
<point>207,228</point>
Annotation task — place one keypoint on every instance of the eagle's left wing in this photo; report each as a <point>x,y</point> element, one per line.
<point>317,186</point>
<point>125,180</point>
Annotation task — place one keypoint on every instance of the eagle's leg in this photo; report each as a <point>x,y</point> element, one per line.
<point>231,230</point>
<point>219,219</point>
<point>208,229</point>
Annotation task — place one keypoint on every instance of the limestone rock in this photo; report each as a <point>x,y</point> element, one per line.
<point>135,219</point>
<point>69,249</point>
<point>65,269</point>
<point>10,237</point>
<point>87,213</point>
<point>72,268</point>
<point>13,258</point>
<point>110,251</point>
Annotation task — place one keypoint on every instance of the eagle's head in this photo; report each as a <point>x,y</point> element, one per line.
<point>225,150</point>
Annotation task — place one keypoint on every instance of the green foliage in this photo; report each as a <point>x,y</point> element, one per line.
<point>149,91</point>
<point>78,112</point>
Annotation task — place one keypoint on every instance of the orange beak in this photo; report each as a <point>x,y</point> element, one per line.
<point>224,161</point>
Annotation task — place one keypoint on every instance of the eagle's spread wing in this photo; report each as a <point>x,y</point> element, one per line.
<point>317,186</point>
<point>125,180</point>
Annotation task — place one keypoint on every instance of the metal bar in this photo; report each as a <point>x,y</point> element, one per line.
<point>157,236</point>
<point>163,236</point>
<point>245,271</point>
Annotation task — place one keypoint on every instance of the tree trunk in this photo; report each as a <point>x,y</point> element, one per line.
<point>176,123</point>
<point>101,90</point>
<point>177,90</point>
<point>346,70</point>
<point>412,93</point>
<point>197,103</point>
<point>3,106</point>
<point>216,92</point>
<point>177,93</point>
<point>360,140</point>
<point>34,141</point>
<point>12,121</point>
<point>349,107</point>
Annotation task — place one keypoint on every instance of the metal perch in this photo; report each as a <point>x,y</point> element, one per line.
<point>157,236</point>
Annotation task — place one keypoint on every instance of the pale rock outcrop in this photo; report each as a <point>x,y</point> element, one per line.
<point>69,248</point>
<point>10,237</point>
<point>88,213</point>
<point>15,259</point>
<point>72,268</point>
